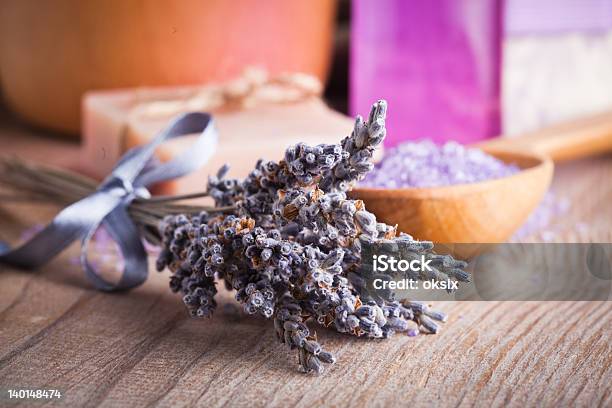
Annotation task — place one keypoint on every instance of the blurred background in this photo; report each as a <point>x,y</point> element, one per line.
<point>461,70</point>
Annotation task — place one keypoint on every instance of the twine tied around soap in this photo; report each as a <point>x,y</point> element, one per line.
<point>254,87</point>
<point>107,206</point>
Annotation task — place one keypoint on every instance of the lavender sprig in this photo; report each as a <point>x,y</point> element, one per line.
<point>358,150</point>
<point>291,247</point>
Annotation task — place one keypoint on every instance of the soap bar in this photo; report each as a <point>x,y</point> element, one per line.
<point>115,121</point>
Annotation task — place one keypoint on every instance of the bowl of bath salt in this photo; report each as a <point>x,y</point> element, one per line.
<point>454,194</point>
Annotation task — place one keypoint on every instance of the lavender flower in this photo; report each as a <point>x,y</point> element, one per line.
<point>292,248</point>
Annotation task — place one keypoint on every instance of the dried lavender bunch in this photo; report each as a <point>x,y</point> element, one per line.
<point>292,246</point>
<point>330,167</point>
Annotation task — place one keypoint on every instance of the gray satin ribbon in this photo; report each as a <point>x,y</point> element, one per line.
<point>108,205</point>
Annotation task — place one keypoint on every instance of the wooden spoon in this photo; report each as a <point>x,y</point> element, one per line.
<point>490,211</point>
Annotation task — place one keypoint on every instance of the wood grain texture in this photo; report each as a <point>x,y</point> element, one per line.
<point>140,348</point>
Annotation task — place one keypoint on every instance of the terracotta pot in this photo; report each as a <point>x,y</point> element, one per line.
<point>51,52</point>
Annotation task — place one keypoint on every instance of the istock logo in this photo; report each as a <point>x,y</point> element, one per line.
<point>386,263</point>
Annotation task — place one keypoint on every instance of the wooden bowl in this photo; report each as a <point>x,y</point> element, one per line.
<point>484,212</point>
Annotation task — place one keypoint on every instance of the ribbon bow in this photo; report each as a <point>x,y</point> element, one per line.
<point>108,205</point>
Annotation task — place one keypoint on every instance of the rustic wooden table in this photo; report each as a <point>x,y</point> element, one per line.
<point>140,348</point>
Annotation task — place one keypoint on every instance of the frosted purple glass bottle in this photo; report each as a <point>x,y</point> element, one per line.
<point>437,62</point>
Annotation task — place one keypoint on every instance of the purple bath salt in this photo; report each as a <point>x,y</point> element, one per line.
<point>540,224</point>
<point>425,164</point>
<point>413,332</point>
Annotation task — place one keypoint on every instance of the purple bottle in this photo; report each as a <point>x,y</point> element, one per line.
<point>437,62</point>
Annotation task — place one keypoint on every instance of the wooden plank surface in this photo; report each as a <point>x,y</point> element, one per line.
<point>140,348</point>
